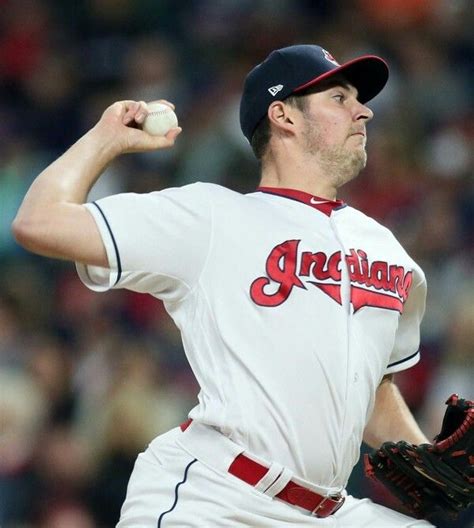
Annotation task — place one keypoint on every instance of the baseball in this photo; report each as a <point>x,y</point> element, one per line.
<point>160,119</point>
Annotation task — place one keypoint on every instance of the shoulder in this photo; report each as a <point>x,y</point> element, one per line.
<point>378,233</point>
<point>197,189</point>
<point>368,223</point>
<point>366,219</point>
<point>196,198</point>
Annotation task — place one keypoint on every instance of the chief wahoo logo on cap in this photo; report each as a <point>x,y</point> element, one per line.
<point>329,57</point>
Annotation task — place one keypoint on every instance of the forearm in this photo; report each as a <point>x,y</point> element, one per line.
<point>69,179</point>
<point>52,219</point>
<point>53,204</point>
<point>391,419</point>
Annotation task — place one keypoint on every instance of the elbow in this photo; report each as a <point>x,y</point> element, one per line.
<point>25,233</point>
<point>20,231</point>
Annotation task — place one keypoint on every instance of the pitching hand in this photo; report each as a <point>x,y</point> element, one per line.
<point>121,125</point>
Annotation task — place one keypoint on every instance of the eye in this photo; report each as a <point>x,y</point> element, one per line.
<point>339,97</point>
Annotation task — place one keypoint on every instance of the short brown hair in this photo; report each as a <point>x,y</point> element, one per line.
<point>261,136</point>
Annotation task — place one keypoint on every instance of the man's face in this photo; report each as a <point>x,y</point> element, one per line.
<point>333,131</point>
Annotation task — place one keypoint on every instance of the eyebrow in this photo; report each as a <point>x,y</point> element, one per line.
<point>341,83</point>
<point>328,84</point>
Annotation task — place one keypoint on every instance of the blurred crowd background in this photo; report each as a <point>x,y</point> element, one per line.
<point>86,379</point>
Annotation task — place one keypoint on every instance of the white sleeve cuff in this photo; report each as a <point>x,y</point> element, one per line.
<point>404,363</point>
<point>94,277</point>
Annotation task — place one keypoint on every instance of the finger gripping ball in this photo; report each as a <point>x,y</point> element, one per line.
<point>160,119</point>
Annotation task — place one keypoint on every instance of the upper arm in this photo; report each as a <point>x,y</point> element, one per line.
<point>391,419</point>
<point>405,352</point>
<point>67,231</point>
<point>156,243</point>
<point>387,378</point>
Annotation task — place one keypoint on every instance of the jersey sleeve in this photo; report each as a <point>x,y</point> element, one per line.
<point>156,243</point>
<point>405,352</point>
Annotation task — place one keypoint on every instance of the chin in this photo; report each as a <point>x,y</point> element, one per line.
<point>359,161</point>
<point>354,167</point>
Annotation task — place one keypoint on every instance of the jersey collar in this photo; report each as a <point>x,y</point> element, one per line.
<point>316,202</point>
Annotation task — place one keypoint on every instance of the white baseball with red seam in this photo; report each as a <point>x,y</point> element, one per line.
<point>160,119</point>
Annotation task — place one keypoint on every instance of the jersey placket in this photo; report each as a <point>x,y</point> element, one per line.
<point>346,427</point>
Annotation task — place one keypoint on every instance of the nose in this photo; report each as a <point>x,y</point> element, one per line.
<point>363,112</point>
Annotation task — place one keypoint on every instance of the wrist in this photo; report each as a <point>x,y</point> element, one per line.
<point>103,143</point>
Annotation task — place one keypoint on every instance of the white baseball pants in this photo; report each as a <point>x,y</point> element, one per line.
<point>170,488</point>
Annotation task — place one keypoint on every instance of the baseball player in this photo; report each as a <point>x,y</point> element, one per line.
<point>295,309</point>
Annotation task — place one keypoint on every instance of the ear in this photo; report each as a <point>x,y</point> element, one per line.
<point>281,116</point>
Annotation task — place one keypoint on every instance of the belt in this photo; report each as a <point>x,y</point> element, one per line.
<point>274,481</point>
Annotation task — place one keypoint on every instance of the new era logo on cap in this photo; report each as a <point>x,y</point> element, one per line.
<point>275,89</point>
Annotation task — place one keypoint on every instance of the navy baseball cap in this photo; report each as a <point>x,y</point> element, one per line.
<point>293,69</point>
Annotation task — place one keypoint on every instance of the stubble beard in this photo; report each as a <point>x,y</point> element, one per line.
<point>339,163</point>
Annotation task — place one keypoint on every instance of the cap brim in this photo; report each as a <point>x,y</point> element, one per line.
<point>368,74</point>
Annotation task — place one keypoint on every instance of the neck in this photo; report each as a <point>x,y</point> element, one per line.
<point>318,172</point>
<point>297,176</point>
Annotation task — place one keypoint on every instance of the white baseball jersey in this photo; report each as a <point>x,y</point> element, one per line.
<point>291,308</point>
